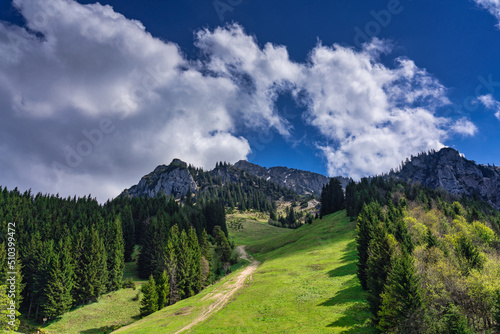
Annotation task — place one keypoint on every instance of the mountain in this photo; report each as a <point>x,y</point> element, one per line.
<point>302,182</point>
<point>173,180</point>
<point>232,185</point>
<point>449,170</point>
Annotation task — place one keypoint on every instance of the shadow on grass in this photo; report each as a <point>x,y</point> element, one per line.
<point>355,319</point>
<point>349,257</point>
<point>100,330</point>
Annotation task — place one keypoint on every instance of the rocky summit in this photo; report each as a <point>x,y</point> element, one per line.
<point>302,182</point>
<point>173,180</point>
<point>449,170</point>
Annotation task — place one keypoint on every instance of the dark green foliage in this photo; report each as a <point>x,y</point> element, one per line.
<point>401,299</point>
<point>496,311</point>
<point>332,198</point>
<point>430,239</point>
<point>455,321</point>
<point>163,289</point>
<point>368,219</point>
<point>116,260</point>
<point>59,285</point>
<point>469,254</point>
<point>128,228</point>
<point>215,215</point>
<point>149,301</point>
<point>380,253</point>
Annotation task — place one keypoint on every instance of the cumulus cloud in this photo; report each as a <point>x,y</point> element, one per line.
<point>492,6</point>
<point>375,115</point>
<point>490,103</point>
<point>90,101</point>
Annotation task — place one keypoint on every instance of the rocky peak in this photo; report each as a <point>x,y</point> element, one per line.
<point>172,180</point>
<point>302,182</point>
<point>449,170</point>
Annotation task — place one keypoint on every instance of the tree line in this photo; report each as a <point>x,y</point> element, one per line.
<point>70,251</point>
<point>428,260</point>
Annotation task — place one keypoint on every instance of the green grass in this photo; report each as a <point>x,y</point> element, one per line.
<point>306,284</point>
<point>111,311</point>
<point>253,229</point>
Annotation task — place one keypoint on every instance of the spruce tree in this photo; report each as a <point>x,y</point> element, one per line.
<point>128,228</point>
<point>171,258</point>
<point>366,223</point>
<point>163,289</point>
<point>380,253</point>
<point>116,256</point>
<point>149,301</point>
<point>195,270</point>
<point>401,299</point>
<point>57,294</point>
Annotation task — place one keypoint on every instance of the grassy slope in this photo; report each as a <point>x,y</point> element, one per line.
<point>306,284</point>
<point>113,310</point>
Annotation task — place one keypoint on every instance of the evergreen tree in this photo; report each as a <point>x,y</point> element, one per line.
<point>171,258</point>
<point>149,301</point>
<point>195,269</point>
<point>57,292</point>
<point>367,220</point>
<point>332,198</point>
<point>401,299</point>
<point>163,289</point>
<point>128,228</point>
<point>380,254</point>
<point>116,256</point>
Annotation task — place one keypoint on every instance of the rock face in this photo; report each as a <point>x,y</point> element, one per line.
<point>173,179</point>
<point>447,169</point>
<point>300,181</point>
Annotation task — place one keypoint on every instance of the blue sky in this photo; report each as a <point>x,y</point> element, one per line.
<point>95,96</point>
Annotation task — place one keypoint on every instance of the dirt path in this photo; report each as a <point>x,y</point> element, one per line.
<point>223,294</point>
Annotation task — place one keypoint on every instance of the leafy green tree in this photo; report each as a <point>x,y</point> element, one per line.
<point>149,301</point>
<point>332,198</point>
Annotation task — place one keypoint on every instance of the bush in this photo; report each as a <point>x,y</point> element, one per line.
<point>128,283</point>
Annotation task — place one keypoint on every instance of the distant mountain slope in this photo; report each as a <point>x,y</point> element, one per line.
<point>303,182</point>
<point>172,180</point>
<point>449,170</point>
<point>236,187</point>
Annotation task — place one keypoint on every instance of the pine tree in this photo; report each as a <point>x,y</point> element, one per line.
<point>116,256</point>
<point>195,269</point>
<point>163,289</point>
<point>57,292</point>
<point>149,301</point>
<point>380,253</point>
<point>366,223</point>
<point>401,299</point>
<point>128,228</point>
<point>171,258</point>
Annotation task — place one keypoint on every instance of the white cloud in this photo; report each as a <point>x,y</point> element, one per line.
<point>493,6</point>
<point>97,102</point>
<point>490,103</point>
<point>375,116</point>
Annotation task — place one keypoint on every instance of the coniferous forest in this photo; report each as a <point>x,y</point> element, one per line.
<point>70,251</point>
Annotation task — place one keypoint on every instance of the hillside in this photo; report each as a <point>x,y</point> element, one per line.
<point>449,170</point>
<point>306,283</point>
<point>303,182</point>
